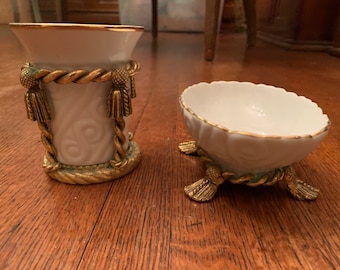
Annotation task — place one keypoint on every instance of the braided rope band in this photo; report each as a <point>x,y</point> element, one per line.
<point>118,106</point>
<point>94,174</point>
<point>33,74</point>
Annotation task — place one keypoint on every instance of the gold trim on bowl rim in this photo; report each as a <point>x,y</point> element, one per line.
<point>251,134</point>
<point>80,26</point>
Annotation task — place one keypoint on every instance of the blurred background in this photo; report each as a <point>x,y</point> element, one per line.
<point>295,24</point>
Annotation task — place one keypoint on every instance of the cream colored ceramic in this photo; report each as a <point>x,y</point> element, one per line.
<point>252,128</point>
<point>82,134</point>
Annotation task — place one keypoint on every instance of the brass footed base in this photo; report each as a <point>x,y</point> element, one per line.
<point>205,189</point>
<point>93,174</point>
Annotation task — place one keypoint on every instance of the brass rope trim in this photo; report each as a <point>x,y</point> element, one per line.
<point>46,140</point>
<point>31,74</point>
<point>93,174</point>
<point>118,106</point>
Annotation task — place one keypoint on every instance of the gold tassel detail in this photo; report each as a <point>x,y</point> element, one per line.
<point>37,106</point>
<point>117,108</point>
<point>126,101</point>
<point>120,77</point>
<point>110,104</point>
<point>36,101</point>
<point>133,67</point>
<point>132,87</point>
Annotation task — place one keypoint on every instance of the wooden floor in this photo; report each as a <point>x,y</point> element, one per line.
<point>144,220</point>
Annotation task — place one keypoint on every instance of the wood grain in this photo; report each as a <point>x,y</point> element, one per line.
<point>144,220</point>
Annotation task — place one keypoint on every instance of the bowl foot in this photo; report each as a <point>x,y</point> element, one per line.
<point>297,188</point>
<point>205,188</point>
<point>202,190</point>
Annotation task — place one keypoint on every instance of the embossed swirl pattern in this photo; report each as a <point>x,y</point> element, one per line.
<point>81,136</point>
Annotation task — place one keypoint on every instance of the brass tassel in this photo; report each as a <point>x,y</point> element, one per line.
<point>117,105</point>
<point>120,77</point>
<point>133,86</point>
<point>110,104</point>
<point>114,104</point>
<point>133,67</point>
<point>37,106</point>
<point>29,108</point>
<point>127,106</point>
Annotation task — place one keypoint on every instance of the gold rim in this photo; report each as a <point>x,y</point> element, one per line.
<point>210,123</point>
<point>80,26</point>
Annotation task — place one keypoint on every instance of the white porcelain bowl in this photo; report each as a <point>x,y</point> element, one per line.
<point>252,128</point>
